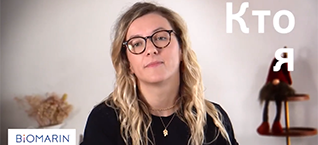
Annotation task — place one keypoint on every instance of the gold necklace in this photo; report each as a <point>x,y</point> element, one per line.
<point>165,131</point>
<point>168,108</point>
<point>163,109</point>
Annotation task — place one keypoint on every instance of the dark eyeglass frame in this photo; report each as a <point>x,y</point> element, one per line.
<point>147,37</point>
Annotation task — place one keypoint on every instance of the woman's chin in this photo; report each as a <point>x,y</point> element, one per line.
<point>155,80</point>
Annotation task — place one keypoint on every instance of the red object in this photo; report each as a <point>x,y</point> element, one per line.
<point>283,74</point>
<point>277,128</point>
<point>263,128</point>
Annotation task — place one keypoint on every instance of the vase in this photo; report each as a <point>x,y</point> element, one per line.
<point>56,126</point>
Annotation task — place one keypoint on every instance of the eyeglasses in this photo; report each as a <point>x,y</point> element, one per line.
<point>160,39</point>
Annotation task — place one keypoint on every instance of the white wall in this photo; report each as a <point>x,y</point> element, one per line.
<point>63,46</point>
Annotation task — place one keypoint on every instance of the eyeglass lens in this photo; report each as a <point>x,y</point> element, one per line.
<point>160,39</point>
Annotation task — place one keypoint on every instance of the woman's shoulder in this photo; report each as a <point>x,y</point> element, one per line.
<point>104,109</point>
<point>103,113</point>
<point>102,126</point>
<point>225,118</point>
<point>223,113</point>
<point>218,107</point>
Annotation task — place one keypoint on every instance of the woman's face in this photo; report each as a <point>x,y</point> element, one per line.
<point>154,65</point>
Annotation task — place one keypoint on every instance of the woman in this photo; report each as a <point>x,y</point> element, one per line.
<point>158,97</point>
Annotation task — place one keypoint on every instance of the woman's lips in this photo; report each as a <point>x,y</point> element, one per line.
<point>154,64</point>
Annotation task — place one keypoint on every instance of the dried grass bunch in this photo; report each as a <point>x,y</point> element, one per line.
<point>47,110</point>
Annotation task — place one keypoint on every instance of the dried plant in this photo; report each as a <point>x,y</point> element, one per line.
<point>46,110</point>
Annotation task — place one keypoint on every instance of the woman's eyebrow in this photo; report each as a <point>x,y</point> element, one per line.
<point>159,28</point>
<point>155,30</point>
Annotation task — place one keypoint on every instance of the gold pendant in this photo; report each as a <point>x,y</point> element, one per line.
<point>165,132</point>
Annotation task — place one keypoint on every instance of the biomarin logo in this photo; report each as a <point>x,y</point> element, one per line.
<point>35,138</point>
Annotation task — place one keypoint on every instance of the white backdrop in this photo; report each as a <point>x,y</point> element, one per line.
<point>63,46</point>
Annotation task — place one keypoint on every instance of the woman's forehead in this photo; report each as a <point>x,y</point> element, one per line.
<point>147,25</point>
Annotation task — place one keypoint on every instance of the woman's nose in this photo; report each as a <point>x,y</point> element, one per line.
<point>151,48</point>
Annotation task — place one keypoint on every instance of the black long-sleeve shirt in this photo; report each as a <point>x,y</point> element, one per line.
<point>103,128</point>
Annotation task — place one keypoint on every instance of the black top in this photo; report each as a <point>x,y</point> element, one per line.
<point>103,128</point>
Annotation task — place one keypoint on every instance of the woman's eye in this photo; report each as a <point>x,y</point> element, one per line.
<point>161,38</point>
<point>136,44</point>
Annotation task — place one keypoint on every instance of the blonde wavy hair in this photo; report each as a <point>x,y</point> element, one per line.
<point>133,114</point>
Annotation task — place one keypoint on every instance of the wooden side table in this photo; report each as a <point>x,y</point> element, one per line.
<point>293,131</point>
